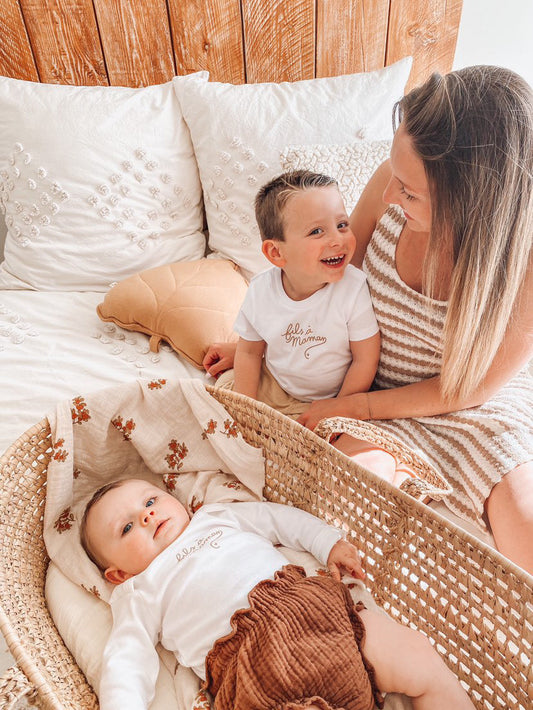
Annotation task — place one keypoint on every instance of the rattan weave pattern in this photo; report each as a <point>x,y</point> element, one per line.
<point>475,605</point>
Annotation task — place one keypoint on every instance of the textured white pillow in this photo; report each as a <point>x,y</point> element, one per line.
<point>239,131</point>
<point>351,165</point>
<point>96,183</point>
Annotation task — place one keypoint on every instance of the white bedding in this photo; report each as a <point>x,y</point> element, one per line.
<point>53,346</point>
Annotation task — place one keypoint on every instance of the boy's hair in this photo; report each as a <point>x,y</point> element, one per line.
<point>272,198</point>
<point>97,496</point>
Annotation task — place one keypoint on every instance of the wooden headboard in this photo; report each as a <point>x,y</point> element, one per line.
<point>142,42</point>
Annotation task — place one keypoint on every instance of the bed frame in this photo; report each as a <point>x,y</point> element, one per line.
<point>138,42</point>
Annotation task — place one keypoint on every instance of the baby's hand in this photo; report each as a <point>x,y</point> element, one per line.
<point>344,556</point>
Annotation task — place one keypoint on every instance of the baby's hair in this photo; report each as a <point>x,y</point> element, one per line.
<point>272,198</point>
<point>97,496</point>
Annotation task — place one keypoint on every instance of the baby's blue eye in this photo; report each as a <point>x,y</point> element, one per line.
<point>342,225</point>
<point>126,528</point>
<point>316,231</point>
<point>150,502</point>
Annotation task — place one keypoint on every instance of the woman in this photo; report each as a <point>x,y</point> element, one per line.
<point>445,231</point>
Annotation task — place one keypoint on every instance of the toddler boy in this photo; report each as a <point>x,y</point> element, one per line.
<point>310,315</point>
<point>307,327</point>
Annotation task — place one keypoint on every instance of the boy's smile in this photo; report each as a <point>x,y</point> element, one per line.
<point>319,243</point>
<point>131,525</point>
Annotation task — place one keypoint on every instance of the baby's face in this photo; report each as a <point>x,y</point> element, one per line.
<point>131,525</point>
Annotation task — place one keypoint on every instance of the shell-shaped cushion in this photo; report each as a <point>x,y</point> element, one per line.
<point>189,304</point>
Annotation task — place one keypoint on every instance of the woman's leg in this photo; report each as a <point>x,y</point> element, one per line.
<point>405,662</point>
<point>510,512</point>
<point>373,458</point>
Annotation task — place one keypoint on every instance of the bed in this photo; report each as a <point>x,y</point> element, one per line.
<point>51,283</point>
<point>134,136</point>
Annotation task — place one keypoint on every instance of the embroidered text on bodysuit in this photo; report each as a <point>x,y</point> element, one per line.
<point>211,539</point>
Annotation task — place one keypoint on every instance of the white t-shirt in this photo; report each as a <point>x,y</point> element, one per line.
<point>188,594</point>
<point>308,342</point>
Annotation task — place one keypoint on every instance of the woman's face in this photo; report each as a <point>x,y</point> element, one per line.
<point>408,185</point>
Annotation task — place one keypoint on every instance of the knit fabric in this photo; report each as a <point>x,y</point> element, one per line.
<point>472,448</point>
<point>299,643</point>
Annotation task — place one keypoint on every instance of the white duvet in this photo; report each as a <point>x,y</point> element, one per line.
<point>53,346</point>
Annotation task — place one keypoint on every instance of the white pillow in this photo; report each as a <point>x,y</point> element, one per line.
<point>96,183</point>
<point>238,132</point>
<point>351,165</point>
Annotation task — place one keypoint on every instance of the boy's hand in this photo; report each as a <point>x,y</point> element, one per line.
<point>344,557</point>
<point>219,358</point>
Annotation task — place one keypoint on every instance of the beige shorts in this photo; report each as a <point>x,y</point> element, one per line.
<point>269,392</point>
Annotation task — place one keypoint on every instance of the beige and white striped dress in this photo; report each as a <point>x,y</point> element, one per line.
<point>472,448</point>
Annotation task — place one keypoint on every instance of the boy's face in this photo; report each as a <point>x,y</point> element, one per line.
<point>131,525</point>
<point>319,243</point>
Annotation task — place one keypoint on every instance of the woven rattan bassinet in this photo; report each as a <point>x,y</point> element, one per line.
<point>475,605</point>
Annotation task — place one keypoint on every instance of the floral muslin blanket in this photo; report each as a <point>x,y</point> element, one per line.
<point>174,434</point>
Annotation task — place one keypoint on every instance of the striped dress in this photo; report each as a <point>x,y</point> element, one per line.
<point>472,448</point>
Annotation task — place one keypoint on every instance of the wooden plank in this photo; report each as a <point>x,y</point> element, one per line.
<point>136,40</point>
<point>207,34</point>
<point>64,41</point>
<point>16,58</point>
<point>426,30</point>
<point>351,36</point>
<point>279,39</point>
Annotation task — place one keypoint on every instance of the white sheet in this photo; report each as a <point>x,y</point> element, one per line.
<point>53,346</point>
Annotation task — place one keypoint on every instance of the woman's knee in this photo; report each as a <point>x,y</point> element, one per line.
<point>512,497</point>
<point>510,512</point>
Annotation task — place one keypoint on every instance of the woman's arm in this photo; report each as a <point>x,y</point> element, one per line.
<point>368,210</point>
<point>424,398</point>
<point>365,359</point>
<point>248,360</point>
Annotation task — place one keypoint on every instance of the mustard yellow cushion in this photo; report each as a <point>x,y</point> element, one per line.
<point>189,304</point>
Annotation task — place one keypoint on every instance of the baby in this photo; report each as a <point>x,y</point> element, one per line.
<point>216,591</point>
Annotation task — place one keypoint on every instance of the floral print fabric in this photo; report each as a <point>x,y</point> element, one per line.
<point>173,434</point>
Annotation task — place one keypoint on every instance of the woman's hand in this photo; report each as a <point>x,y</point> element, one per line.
<point>344,557</point>
<point>219,358</point>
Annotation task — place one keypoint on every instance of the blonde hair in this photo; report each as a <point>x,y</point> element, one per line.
<point>272,198</point>
<point>473,130</point>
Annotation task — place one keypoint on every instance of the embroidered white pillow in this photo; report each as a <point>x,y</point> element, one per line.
<point>238,132</point>
<point>351,165</point>
<point>96,183</point>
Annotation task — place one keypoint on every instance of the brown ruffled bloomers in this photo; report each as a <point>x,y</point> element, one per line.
<point>298,644</point>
